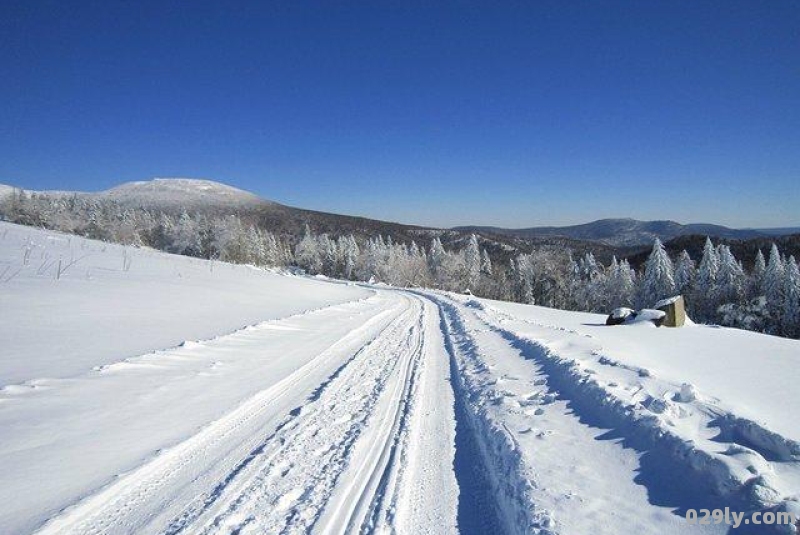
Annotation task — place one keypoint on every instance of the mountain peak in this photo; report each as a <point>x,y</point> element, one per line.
<point>186,191</point>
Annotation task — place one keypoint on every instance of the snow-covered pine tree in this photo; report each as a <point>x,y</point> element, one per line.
<point>307,253</point>
<point>684,273</point>
<point>702,305</point>
<point>185,237</point>
<point>486,263</point>
<point>330,256</point>
<point>790,320</point>
<point>524,283</point>
<point>730,278</point>
<point>255,252</point>
<point>472,263</point>
<point>350,253</point>
<point>619,285</point>
<point>659,281</point>
<point>437,262</point>
<point>755,285</point>
<point>627,284</point>
<point>272,251</point>
<point>774,285</point>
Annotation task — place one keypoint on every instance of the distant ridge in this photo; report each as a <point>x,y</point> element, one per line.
<point>604,237</point>
<point>626,232</point>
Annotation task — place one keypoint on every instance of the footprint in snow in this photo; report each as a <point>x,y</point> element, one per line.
<point>288,499</point>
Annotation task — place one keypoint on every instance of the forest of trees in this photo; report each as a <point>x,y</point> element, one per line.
<point>717,288</point>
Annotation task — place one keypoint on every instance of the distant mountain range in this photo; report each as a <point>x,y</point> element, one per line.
<point>605,237</point>
<point>631,232</point>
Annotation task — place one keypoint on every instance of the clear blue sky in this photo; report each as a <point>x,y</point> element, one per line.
<point>503,113</point>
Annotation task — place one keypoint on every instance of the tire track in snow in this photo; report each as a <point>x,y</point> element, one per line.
<point>118,508</point>
<point>550,468</point>
<point>357,413</point>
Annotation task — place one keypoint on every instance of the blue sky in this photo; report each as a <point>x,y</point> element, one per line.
<point>502,113</point>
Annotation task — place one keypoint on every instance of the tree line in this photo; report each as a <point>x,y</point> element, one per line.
<point>718,289</point>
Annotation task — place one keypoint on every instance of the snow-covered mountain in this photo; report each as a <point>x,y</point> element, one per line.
<point>180,191</point>
<point>165,193</point>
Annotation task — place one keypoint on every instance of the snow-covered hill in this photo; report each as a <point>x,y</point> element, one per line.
<point>179,191</point>
<point>166,194</point>
<point>149,393</point>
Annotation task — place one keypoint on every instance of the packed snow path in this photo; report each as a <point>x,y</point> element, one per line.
<point>406,412</point>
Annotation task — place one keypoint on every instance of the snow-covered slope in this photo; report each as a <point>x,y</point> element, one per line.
<point>107,302</point>
<point>313,406</point>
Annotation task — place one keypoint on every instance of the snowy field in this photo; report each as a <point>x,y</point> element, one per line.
<point>109,302</point>
<point>149,393</point>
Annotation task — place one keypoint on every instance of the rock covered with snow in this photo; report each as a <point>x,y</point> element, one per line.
<point>627,316</point>
<point>618,315</point>
<point>667,301</point>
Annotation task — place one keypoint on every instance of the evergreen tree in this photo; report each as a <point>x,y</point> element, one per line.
<point>730,278</point>
<point>703,303</point>
<point>756,282</point>
<point>437,262</point>
<point>659,281</point>
<point>684,273</point>
<point>790,320</point>
<point>472,263</point>
<point>486,263</point>
<point>307,254</point>
<point>774,285</point>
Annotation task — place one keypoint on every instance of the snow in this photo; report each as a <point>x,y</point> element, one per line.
<point>751,373</point>
<point>178,191</point>
<point>100,311</point>
<point>666,302</point>
<point>647,315</point>
<point>621,312</point>
<point>164,193</point>
<point>722,400</point>
<point>180,396</point>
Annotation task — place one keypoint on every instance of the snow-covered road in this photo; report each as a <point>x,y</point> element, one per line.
<point>406,412</point>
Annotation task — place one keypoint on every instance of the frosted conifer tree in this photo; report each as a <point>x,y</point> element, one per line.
<point>350,253</point>
<point>774,285</point>
<point>627,284</point>
<point>756,282</point>
<point>254,247</point>
<point>659,279</point>
<point>307,254</point>
<point>730,278</point>
<point>684,273</point>
<point>486,263</point>
<point>619,285</point>
<point>437,262</point>
<point>705,288</point>
<point>790,320</point>
<point>185,237</point>
<point>472,263</point>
